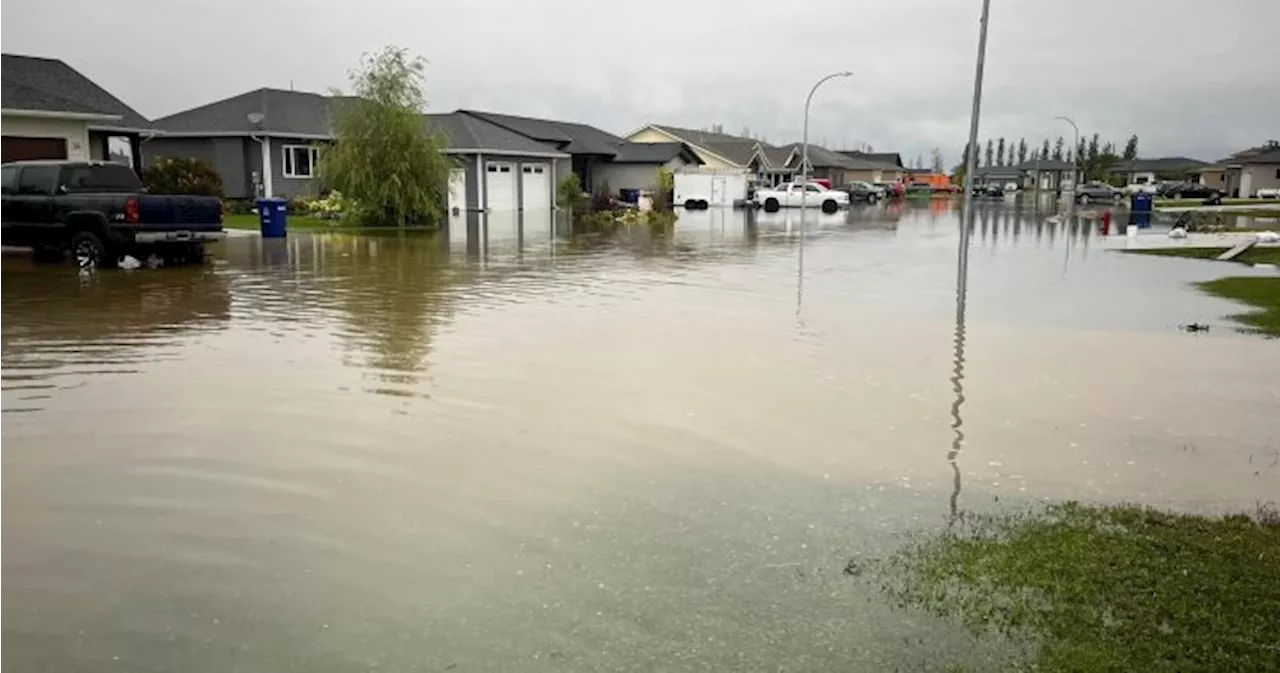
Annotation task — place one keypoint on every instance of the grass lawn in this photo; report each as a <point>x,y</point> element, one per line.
<point>1184,203</point>
<point>1118,588</point>
<point>305,223</point>
<point>1254,255</point>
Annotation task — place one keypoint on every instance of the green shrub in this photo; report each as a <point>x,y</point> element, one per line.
<point>182,175</point>
<point>569,193</point>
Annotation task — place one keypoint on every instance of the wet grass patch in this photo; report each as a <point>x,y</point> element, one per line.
<point>1263,294</point>
<point>1107,588</point>
<point>1254,255</point>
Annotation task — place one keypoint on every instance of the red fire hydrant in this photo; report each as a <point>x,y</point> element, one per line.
<point>1106,223</point>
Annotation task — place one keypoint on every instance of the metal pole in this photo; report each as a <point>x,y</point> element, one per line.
<point>1075,166</point>
<point>971,164</point>
<point>804,147</point>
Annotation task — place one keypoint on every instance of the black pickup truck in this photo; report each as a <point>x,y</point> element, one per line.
<point>101,212</point>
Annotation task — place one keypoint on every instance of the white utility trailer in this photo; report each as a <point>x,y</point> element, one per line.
<point>696,189</point>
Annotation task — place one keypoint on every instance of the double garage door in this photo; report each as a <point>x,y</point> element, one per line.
<point>502,178</point>
<point>19,148</point>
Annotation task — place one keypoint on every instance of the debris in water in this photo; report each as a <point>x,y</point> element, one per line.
<point>1195,327</point>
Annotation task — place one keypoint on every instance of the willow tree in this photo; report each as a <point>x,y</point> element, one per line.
<point>384,158</point>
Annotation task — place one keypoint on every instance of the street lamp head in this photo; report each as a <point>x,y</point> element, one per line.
<point>844,73</point>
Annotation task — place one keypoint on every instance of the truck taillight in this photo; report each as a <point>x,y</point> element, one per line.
<point>131,211</point>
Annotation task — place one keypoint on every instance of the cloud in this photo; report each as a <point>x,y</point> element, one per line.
<point>1187,78</point>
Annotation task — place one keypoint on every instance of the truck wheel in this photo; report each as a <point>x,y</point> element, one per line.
<point>179,255</point>
<point>90,252</point>
<point>1084,199</point>
<point>830,206</point>
<point>771,205</point>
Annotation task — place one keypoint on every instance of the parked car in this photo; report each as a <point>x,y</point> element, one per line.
<point>1187,190</point>
<point>988,190</point>
<point>795,194</point>
<point>1011,187</point>
<point>100,212</point>
<point>1268,193</point>
<point>919,189</point>
<point>865,191</point>
<point>1097,191</point>
<point>892,189</point>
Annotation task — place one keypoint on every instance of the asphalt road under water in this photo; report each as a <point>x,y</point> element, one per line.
<point>641,450</point>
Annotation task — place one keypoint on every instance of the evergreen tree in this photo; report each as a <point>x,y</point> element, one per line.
<point>1044,150</point>
<point>1000,152</point>
<point>990,153</point>
<point>1022,150</point>
<point>1057,148</point>
<point>1131,148</point>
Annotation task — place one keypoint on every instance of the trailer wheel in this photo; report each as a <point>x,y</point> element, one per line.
<point>770,205</point>
<point>829,206</point>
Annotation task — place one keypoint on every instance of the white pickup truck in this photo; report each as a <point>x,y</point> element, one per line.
<point>792,194</point>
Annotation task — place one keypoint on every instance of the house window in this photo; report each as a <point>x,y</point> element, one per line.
<point>1278,173</point>
<point>299,161</point>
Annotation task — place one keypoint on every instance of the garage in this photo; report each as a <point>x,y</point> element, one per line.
<point>535,186</point>
<point>500,186</point>
<point>19,148</point>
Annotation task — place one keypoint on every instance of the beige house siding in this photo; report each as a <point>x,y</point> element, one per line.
<point>75,132</point>
<point>1261,176</point>
<point>633,176</point>
<point>1216,179</point>
<point>648,135</point>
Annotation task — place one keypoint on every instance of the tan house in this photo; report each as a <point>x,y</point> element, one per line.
<point>1244,173</point>
<point>51,111</point>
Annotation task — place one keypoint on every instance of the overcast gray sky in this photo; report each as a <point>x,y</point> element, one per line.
<point>1189,77</point>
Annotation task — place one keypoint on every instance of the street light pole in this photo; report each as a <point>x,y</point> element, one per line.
<point>1075,165</point>
<point>971,162</point>
<point>804,146</point>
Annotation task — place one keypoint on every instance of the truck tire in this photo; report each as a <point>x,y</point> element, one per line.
<point>770,205</point>
<point>90,252</point>
<point>1084,199</point>
<point>830,206</point>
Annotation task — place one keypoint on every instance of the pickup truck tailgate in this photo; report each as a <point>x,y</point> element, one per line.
<point>194,213</point>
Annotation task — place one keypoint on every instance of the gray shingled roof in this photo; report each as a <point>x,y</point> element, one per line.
<point>653,153</point>
<point>468,132</point>
<point>1045,165</point>
<point>700,138</point>
<point>776,156</point>
<point>821,157</point>
<point>1159,165</point>
<point>737,151</point>
<point>47,84</point>
<point>1268,157</point>
<point>568,137</point>
<point>284,113</point>
<point>893,159</point>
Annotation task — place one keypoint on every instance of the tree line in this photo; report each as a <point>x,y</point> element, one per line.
<point>1094,156</point>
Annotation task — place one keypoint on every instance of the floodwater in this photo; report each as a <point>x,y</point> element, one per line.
<point>537,451</point>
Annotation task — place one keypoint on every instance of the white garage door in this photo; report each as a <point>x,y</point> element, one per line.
<point>500,186</point>
<point>535,183</point>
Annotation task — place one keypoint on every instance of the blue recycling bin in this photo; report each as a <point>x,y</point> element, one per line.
<point>273,217</point>
<point>1140,206</point>
<point>630,195</point>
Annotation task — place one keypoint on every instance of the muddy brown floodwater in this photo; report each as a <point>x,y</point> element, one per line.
<point>649,450</point>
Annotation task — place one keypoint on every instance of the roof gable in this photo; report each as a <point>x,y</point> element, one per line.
<point>468,133</point>
<point>284,113</point>
<point>654,153</point>
<point>46,84</point>
<point>568,137</point>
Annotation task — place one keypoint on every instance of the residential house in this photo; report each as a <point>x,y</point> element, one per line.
<point>877,166</point>
<point>1244,173</point>
<point>587,146</point>
<point>718,151</point>
<point>1044,174</point>
<point>1149,171</point>
<point>261,142</point>
<point>636,165</point>
<point>267,142</point>
<point>51,111</point>
<point>773,165</point>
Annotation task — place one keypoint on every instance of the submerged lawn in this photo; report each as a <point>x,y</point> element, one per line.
<point>312,224</point>
<point>1109,588</point>
<point>1263,294</point>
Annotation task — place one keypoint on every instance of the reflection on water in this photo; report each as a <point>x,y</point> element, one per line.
<point>517,446</point>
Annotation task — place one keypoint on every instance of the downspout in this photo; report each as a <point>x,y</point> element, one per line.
<point>265,143</point>
<point>482,203</point>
